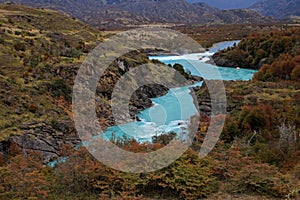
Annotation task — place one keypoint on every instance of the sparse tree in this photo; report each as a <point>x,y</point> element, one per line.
<point>288,136</point>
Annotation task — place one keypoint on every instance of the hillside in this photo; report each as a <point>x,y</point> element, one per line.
<point>115,14</point>
<point>278,9</point>
<point>209,35</point>
<point>229,4</point>
<point>41,51</point>
<point>260,48</point>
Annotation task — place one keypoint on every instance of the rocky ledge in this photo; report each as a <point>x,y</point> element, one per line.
<point>202,94</point>
<point>219,60</point>
<point>222,60</point>
<point>44,138</point>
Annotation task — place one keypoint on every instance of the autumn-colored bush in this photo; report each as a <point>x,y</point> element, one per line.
<point>187,178</point>
<point>32,107</point>
<point>261,179</point>
<point>261,48</point>
<point>268,153</point>
<point>19,46</point>
<point>297,171</point>
<point>60,88</point>
<point>81,173</point>
<point>296,73</point>
<point>255,118</point>
<point>230,130</point>
<point>242,174</point>
<point>286,67</point>
<point>24,177</point>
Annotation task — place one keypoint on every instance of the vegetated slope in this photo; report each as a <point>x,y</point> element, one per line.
<point>40,52</point>
<point>209,35</point>
<point>278,9</point>
<point>137,12</point>
<point>285,67</point>
<point>263,114</point>
<point>259,49</point>
<point>261,134</point>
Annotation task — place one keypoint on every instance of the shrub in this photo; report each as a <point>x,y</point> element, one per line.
<point>32,108</point>
<point>181,70</point>
<point>20,46</point>
<point>286,67</point>
<point>18,33</point>
<point>297,171</point>
<point>72,53</point>
<point>267,153</point>
<point>60,88</point>
<point>30,34</point>
<point>187,178</point>
<point>10,21</point>
<point>252,119</point>
<point>164,139</point>
<point>296,73</point>
<point>34,60</point>
<point>23,177</point>
<point>230,131</point>
<point>261,179</point>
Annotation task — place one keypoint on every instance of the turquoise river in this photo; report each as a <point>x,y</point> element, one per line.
<point>172,111</point>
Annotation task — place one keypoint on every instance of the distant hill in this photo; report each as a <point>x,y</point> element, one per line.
<point>228,4</point>
<point>278,9</point>
<point>116,13</point>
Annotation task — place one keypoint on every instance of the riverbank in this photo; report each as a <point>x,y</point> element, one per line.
<point>172,111</point>
<point>143,108</point>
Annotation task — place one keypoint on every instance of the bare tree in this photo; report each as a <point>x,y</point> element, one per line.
<point>288,136</point>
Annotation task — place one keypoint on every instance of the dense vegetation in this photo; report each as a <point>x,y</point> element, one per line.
<point>258,155</point>
<point>260,48</point>
<point>209,35</point>
<point>286,67</point>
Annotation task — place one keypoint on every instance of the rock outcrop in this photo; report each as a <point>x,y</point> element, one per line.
<point>205,104</point>
<point>219,60</point>
<point>47,139</point>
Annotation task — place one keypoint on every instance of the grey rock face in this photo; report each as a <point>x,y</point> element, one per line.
<point>43,138</point>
